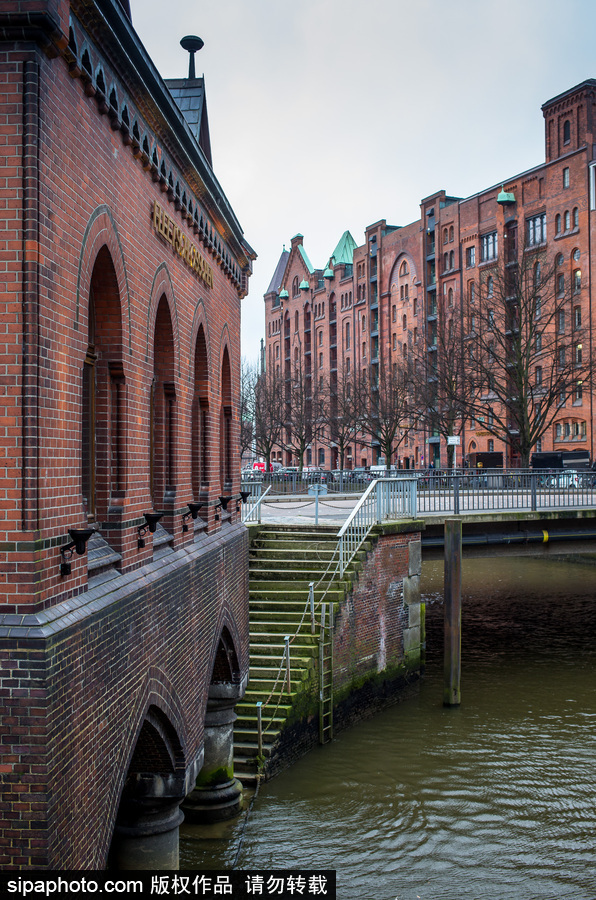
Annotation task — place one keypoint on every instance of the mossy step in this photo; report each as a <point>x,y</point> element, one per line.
<point>261,674</point>
<point>287,559</point>
<point>267,661</point>
<point>282,618</point>
<point>291,577</point>
<point>318,531</point>
<point>246,741</point>
<point>248,719</point>
<point>298,546</point>
<point>264,585</point>
<point>267,640</point>
<point>288,600</point>
<point>246,735</point>
<point>277,601</point>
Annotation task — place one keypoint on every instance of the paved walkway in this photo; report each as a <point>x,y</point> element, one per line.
<point>302,510</point>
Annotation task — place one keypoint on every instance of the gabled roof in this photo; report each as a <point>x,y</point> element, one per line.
<point>189,94</point>
<point>344,252</point>
<point>277,280</point>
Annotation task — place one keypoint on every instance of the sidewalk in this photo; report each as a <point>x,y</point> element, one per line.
<point>300,509</point>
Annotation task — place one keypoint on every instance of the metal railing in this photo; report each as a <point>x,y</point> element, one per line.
<point>495,490</point>
<point>299,483</point>
<point>384,499</point>
<point>252,507</point>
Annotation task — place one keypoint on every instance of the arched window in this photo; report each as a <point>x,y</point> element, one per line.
<point>225,427</point>
<point>347,335</point>
<point>566,131</point>
<point>575,217</point>
<point>451,259</point>
<point>450,233</point>
<point>103,414</point>
<point>200,418</point>
<point>163,410</point>
<point>490,286</point>
<point>445,235</point>
<point>558,223</point>
<point>577,280</point>
<point>296,321</point>
<point>295,287</point>
<point>567,220</point>
<point>403,269</point>
<point>450,297</point>
<point>404,323</point>
<point>537,274</point>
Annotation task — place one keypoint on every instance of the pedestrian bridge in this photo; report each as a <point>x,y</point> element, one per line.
<point>502,512</point>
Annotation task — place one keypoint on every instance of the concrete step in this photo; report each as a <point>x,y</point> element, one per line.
<point>279,601</point>
<point>270,643</point>
<point>265,585</point>
<point>290,620</point>
<point>297,544</point>
<point>284,561</point>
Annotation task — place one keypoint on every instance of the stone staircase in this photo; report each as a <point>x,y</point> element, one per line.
<point>283,562</point>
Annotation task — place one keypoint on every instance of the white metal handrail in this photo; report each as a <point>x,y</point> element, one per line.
<point>385,498</point>
<point>253,513</point>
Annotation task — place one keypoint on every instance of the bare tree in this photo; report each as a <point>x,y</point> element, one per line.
<point>341,412</point>
<point>524,349</point>
<point>386,408</point>
<point>268,413</point>
<point>248,379</point>
<point>442,391</point>
<point>304,408</point>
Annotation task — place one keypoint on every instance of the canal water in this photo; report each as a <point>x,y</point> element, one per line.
<point>493,800</point>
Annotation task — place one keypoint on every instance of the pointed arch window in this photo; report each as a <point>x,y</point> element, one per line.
<point>163,412</point>
<point>200,418</point>
<point>226,436</point>
<point>103,397</point>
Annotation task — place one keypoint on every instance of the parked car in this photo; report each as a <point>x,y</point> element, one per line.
<point>569,478</point>
<point>288,471</point>
<point>309,473</point>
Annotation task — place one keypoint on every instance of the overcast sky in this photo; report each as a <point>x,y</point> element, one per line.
<point>327,115</point>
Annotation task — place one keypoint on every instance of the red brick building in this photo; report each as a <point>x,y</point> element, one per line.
<point>123,622</point>
<point>373,305</point>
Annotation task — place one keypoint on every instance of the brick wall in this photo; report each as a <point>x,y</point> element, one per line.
<point>76,686</point>
<point>121,266</point>
<point>377,632</point>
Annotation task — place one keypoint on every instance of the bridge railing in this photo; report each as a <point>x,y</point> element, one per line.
<point>485,490</point>
<point>384,499</point>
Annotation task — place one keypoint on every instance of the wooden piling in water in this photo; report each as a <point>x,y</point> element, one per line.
<point>452,640</point>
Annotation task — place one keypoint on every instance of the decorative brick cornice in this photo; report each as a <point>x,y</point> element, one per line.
<point>39,27</point>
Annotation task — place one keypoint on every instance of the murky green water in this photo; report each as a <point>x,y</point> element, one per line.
<point>495,799</point>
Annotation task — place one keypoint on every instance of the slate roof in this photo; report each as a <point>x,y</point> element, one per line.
<point>277,280</point>
<point>189,95</point>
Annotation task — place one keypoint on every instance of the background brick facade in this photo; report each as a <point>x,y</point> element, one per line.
<point>402,277</point>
